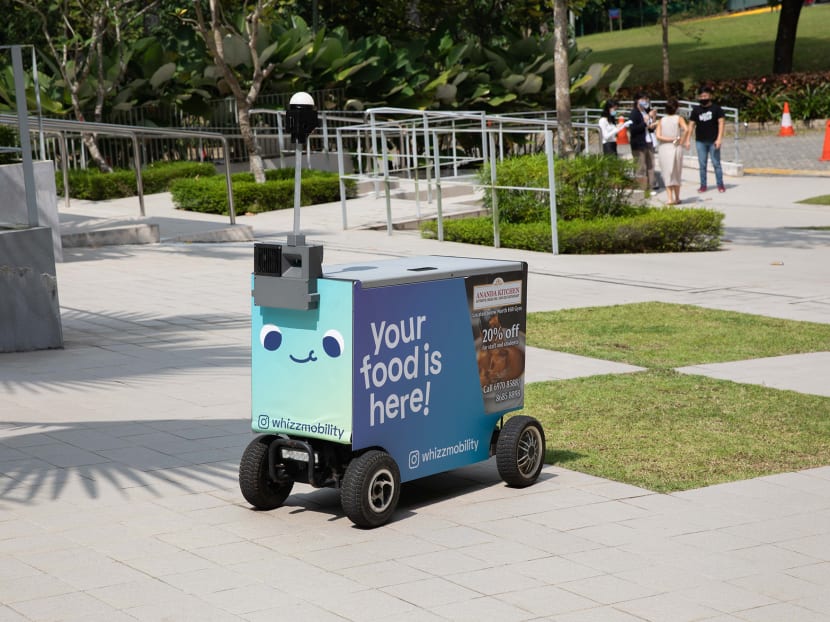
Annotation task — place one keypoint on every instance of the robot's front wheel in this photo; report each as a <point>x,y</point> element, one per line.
<point>371,488</point>
<point>520,452</point>
<point>254,480</point>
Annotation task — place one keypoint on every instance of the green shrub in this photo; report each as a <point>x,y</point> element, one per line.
<point>594,186</point>
<point>94,185</point>
<point>209,195</point>
<point>157,176</point>
<point>200,195</point>
<point>652,230</point>
<point>586,187</point>
<point>516,206</point>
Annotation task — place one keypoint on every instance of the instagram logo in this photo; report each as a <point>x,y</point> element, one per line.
<point>414,459</point>
<point>263,422</point>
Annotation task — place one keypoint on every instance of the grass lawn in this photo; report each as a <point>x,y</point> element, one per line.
<point>712,48</point>
<point>823,199</point>
<point>660,335</point>
<point>667,431</point>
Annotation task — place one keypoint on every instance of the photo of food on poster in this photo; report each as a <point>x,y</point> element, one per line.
<point>498,312</point>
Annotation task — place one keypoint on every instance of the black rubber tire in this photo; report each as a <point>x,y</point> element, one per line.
<point>520,452</point>
<point>254,480</point>
<point>371,489</point>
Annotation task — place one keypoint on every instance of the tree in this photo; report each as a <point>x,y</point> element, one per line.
<point>664,23</point>
<point>237,48</point>
<point>87,41</point>
<point>785,39</point>
<point>562,79</point>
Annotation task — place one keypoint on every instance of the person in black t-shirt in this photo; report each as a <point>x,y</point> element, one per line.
<point>707,122</point>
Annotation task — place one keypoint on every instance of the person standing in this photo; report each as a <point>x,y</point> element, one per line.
<point>671,131</point>
<point>707,122</point>
<point>642,124</point>
<point>609,128</point>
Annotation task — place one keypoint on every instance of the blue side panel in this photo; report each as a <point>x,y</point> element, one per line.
<point>417,391</point>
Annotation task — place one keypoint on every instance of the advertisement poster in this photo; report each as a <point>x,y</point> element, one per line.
<point>301,367</point>
<point>498,310</point>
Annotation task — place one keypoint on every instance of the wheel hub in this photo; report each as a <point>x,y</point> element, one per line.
<point>381,490</point>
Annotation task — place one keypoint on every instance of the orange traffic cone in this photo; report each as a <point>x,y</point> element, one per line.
<point>786,122</point>
<point>825,153</point>
<point>622,135</point>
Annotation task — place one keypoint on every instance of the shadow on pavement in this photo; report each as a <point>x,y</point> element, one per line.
<point>779,237</point>
<point>115,461</point>
<point>102,347</point>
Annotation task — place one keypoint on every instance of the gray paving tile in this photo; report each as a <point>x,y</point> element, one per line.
<point>804,373</point>
<point>666,608</point>
<point>78,606</point>
<point>483,608</point>
<point>432,593</point>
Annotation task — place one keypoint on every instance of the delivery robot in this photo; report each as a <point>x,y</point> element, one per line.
<point>368,375</point>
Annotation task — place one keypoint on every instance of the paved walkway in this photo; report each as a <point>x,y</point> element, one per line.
<point>764,151</point>
<point>118,454</point>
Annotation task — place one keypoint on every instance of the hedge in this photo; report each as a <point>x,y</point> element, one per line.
<point>209,195</point>
<point>94,185</point>
<point>653,230</point>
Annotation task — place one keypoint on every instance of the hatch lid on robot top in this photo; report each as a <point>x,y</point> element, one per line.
<point>415,269</point>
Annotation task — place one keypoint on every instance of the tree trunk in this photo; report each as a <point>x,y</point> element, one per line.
<point>90,141</point>
<point>254,155</point>
<point>785,39</point>
<point>664,21</point>
<point>562,78</point>
<point>92,146</point>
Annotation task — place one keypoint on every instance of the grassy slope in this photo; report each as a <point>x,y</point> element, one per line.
<point>713,48</point>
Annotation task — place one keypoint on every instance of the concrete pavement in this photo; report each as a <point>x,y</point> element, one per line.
<point>118,454</point>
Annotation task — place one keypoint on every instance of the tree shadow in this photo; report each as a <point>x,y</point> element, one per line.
<point>101,347</point>
<point>116,460</point>
<point>778,237</point>
<point>119,461</point>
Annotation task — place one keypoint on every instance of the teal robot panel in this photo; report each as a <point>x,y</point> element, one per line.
<point>301,367</point>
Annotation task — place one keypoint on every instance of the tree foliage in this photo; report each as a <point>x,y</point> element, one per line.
<point>89,43</point>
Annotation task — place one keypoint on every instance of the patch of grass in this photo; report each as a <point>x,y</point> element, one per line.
<point>665,431</point>
<point>660,335</point>
<point>823,199</point>
<point>712,48</point>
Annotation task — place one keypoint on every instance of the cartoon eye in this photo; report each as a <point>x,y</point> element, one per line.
<point>333,343</point>
<point>270,337</point>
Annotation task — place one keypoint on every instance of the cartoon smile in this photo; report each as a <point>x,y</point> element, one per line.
<point>307,359</point>
<point>271,338</point>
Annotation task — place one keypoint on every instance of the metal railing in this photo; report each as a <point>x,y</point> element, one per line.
<point>137,135</point>
<point>440,147</point>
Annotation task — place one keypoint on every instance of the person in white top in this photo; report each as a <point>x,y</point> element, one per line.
<point>608,127</point>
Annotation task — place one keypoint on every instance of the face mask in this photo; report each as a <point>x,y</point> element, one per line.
<point>613,112</point>
<point>644,104</point>
<point>705,102</point>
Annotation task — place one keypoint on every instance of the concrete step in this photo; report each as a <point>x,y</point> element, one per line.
<point>149,233</point>
<point>142,233</point>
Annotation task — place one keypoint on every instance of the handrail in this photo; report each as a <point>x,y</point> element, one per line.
<point>64,126</point>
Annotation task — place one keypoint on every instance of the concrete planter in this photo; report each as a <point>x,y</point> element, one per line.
<point>13,200</point>
<point>30,316</point>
